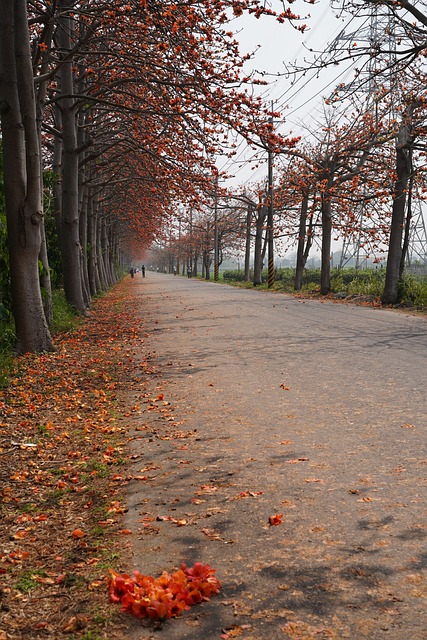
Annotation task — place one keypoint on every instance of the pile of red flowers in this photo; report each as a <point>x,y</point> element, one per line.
<point>164,597</point>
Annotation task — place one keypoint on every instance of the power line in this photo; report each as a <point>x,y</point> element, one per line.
<point>281,104</point>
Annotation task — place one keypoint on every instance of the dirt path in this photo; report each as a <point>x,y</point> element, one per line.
<point>260,404</point>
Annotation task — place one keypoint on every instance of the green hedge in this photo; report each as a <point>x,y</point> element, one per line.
<point>234,276</point>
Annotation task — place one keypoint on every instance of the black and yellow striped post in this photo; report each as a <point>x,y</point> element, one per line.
<point>270,273</point>
<point>216,236</point>
<point>270,219</point>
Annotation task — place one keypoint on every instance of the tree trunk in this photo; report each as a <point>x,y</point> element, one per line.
<point>83,243</point>
<point>112,254</point>
<point>106,254</point>
<point>403,172</point>
<point>100,261</point>
<point>260,219</point>
<point>97,247</point>
<point>206,264</point>
<point>70,241</point>
<point>45,279</point>
<point>325,275</point>
<point>22,177</point>
<point>90,246</point>
<point>194,271</point>
<point>57,177</point>
<point>248,244</point>
<point>264,247</point>
<point>302,254</point>
<point>407,234</point>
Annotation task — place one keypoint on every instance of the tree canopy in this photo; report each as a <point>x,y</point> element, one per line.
<point>113,115</point>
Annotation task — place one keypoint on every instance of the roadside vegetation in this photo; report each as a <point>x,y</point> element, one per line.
<point>64,320</point>
<point>63,454</point>
<point>345,284</point>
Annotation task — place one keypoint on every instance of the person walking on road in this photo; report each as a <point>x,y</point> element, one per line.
<point>143,270</point>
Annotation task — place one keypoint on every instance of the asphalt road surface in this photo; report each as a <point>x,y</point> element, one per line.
<point>258,404</point>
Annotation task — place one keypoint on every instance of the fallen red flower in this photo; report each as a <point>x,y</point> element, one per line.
<point>166,596</point>
<point>276,519</point>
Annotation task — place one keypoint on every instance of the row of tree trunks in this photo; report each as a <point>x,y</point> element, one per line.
<point>70,227</point>
<point>83,234</point>
<point>22,177</point>
<point>305,240</point>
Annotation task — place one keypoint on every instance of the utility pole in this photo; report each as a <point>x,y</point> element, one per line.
<point>270,213</point>
<point>379,34</point>
<point>190,264</point>
<point>178,259</point>
<point>216,243</point>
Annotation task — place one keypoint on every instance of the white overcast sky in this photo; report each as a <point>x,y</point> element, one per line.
<point>300,103</point>
<point>279,44</point>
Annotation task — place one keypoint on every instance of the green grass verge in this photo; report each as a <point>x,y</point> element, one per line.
<point>64,316</point>
<point>413,289</point>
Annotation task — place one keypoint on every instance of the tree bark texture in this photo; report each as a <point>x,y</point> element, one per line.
<point>403,173</point>
<point>206,264</point>
<point>70,240</point>
<point>248,244</point>
<point>304,244</point>
<point>40,103</point>
<point>407,234</point>
<point>325,276</point>
<point>22,177</point>
<point>261,216</point>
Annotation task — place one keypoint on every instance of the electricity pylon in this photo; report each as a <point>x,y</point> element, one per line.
<point>378,35</point>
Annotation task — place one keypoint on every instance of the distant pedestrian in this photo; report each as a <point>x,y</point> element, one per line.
<point>189,272</point>
<point>143,270</point>
<point>132,272</point>
<point>174,271</point>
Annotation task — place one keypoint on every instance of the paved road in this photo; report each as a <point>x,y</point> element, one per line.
<point>278,405</point>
